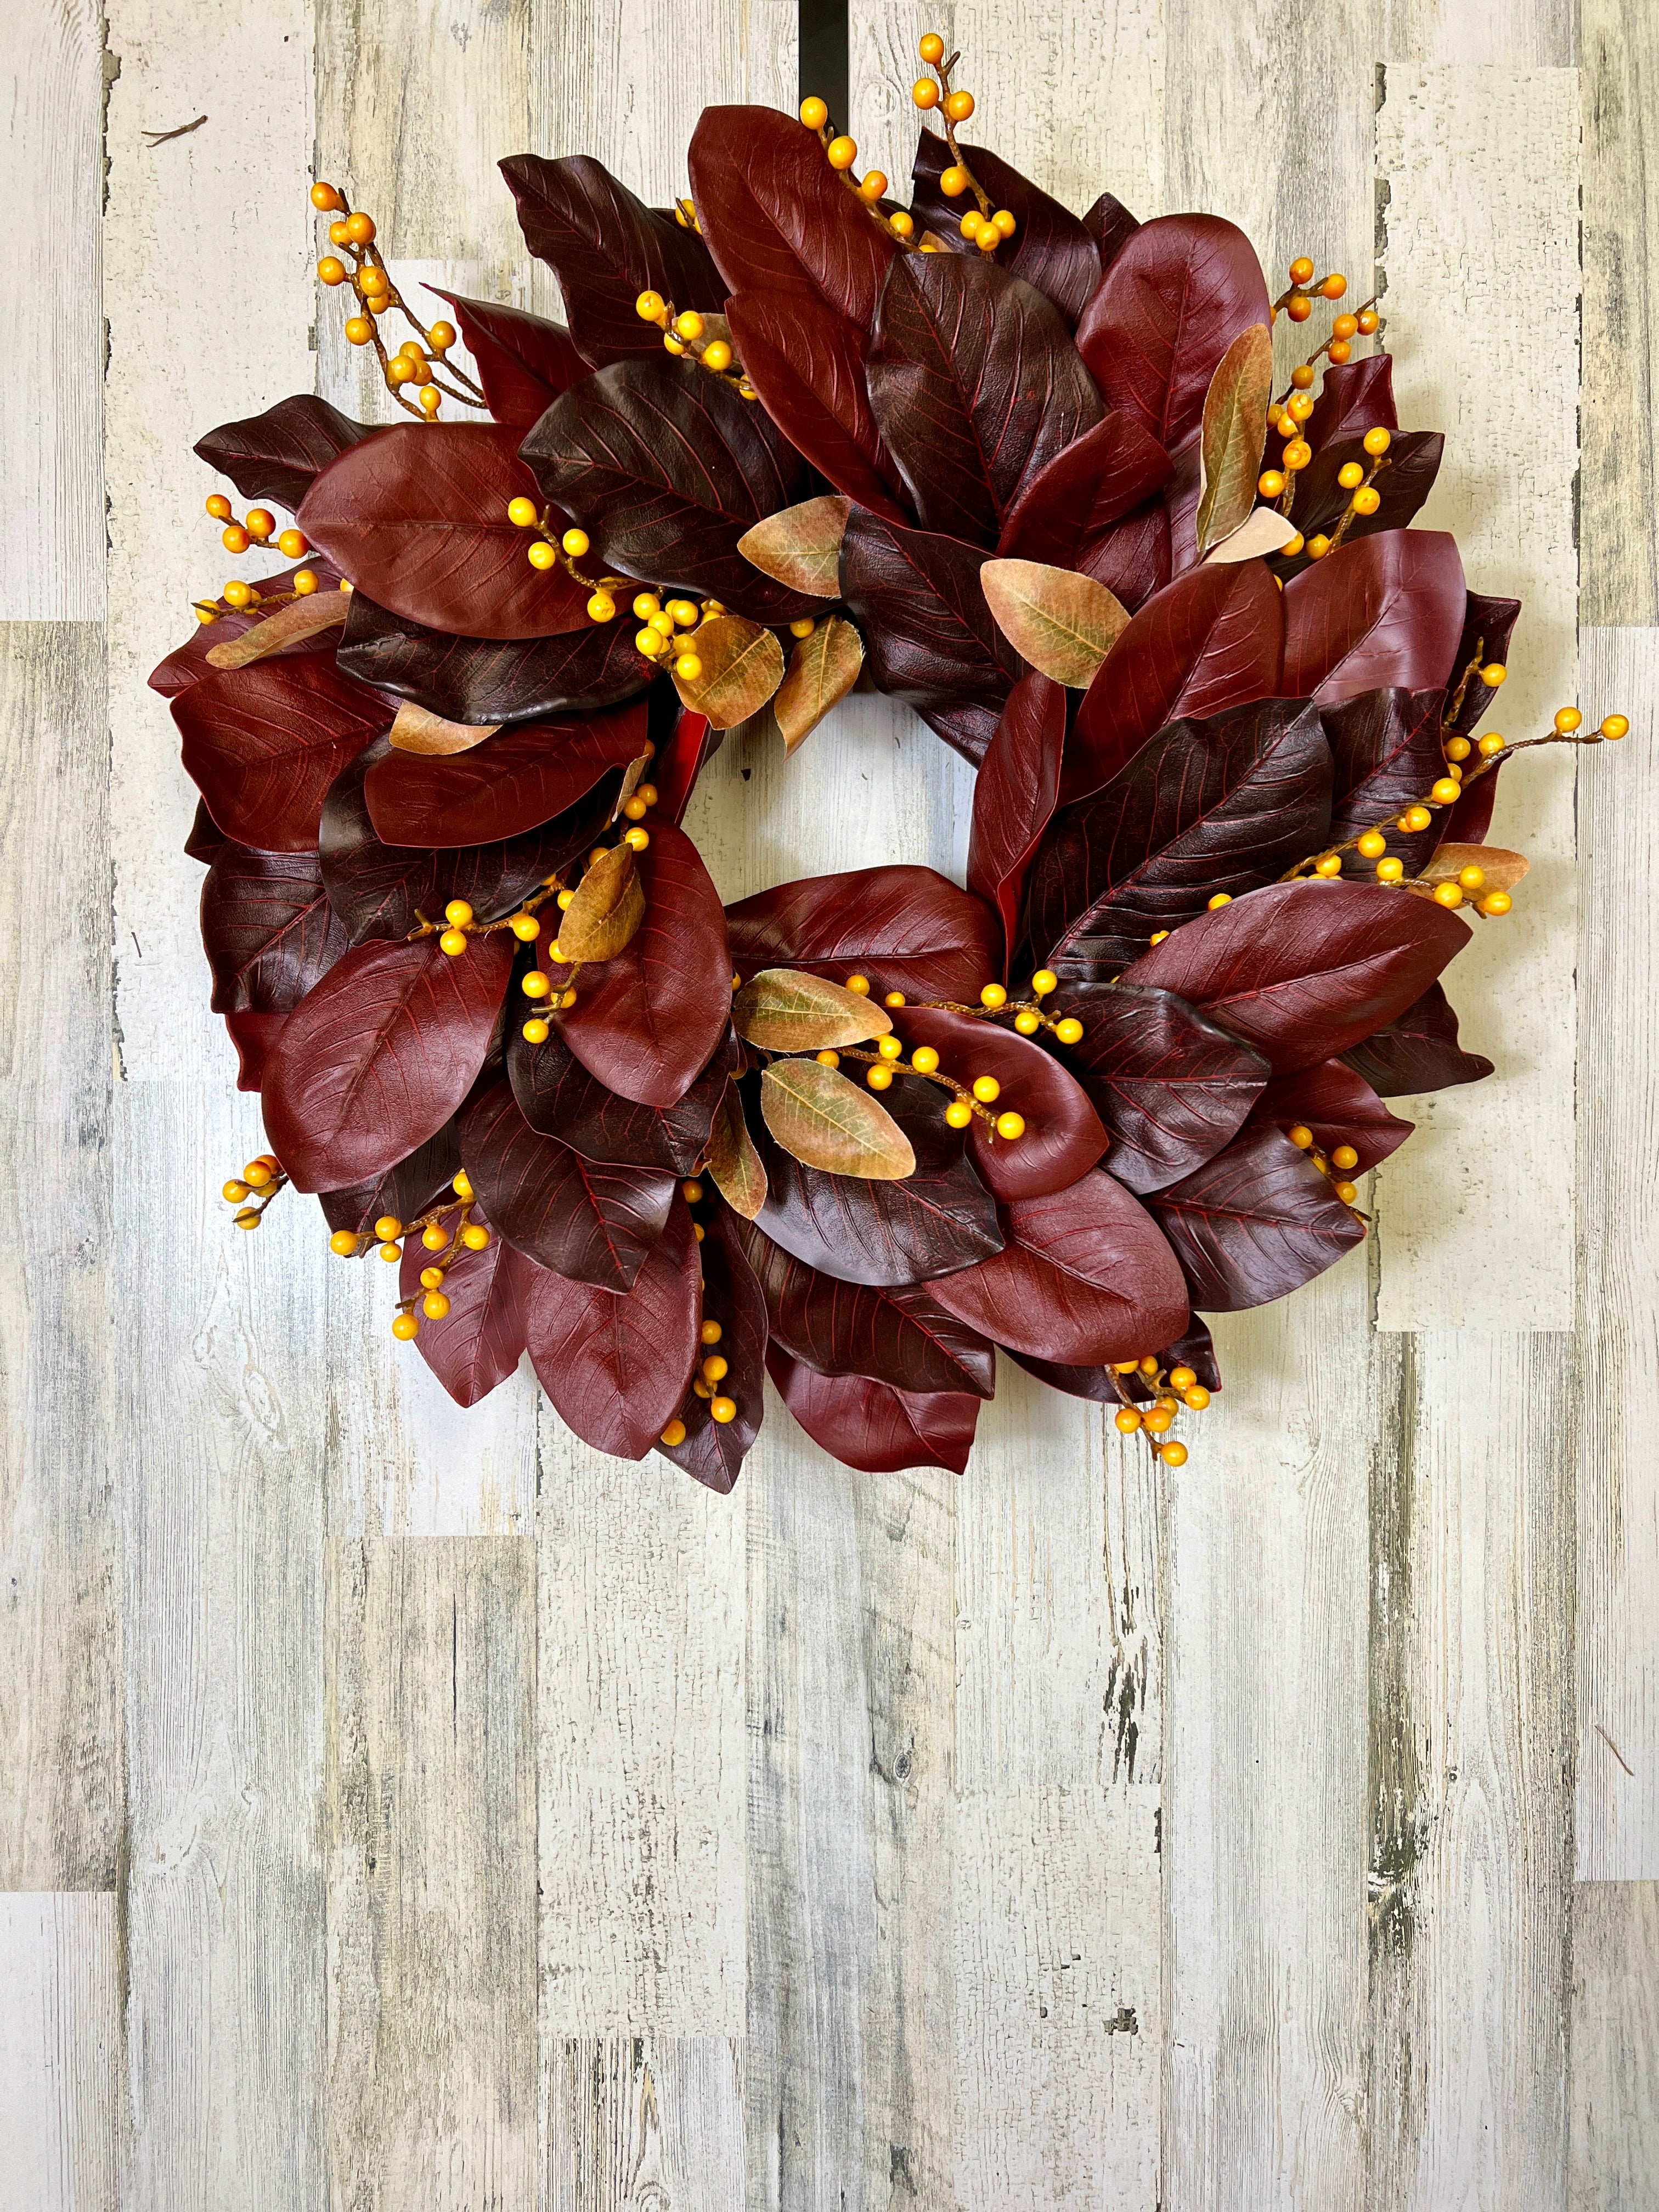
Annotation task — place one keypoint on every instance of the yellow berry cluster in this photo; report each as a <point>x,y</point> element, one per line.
<point>1357,481</point>
<point>352,233</point>
<point>260,1180</point>
<point>1337,1166</point>
<point>685,334</point>
<point>1179,1387</point>
<point>712,1370</point>
<point>258,527</point>
<point>445,1244</point>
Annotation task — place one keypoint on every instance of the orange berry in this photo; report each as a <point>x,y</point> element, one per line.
<point>235,539</point>
<point>814,114</point>
<point>959,106</point>
<point>1345,326</point>
<point>324,196</point>
<point>361,227</point>
<point>843,151</point>
<point>1367,319</point>
<point>1339,351</point>
<point>1302,269</point>
<point>219,506</point>
<point>331,270</point>
<point>674,1434</point>
<point>1333,287</point>
<point>953,183</point>
<point>924,93</point>
<point>931,47</point>
<point>1298,307</point>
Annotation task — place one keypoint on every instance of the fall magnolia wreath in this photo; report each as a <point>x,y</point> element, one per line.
<point>1023,469</point>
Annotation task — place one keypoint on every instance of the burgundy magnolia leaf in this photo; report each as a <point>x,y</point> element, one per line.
<point>1014,795</point>
<point>1063,1135</point>
<point>556,1093</point>
<point>254,1036</point>
<point>269,929</point>
<point>279,454</point>
<point>691,742</point>
<point>605,247</point>
<point>1304,971</point>
<point>1212,640</point>
<point>1052,249</point>
<point>1171,1085</point>
<point>1339,1107</point>
<point>665,468</point>
<point>929,635</point>
<point>1134,557</point>
<point>188,663</point>
<point>1488,625</point>
<point>617,1365</point>
<point>475,1345</point>
<point>1388,611</point>
<point>1255,1222</point>
<point>1404,481</point>
<point>1102,1384</point>
<point>480,680</point>
<point>417,517</point>
<point>1111,226</point>
<point>908,929</point>
<point>1173,300</point>
<point>264,743</point>
<point>1356,396</point>
<point>806,361</point>
<point>589,1222</point>
<point>976,385</point>
<point>1084,1275</point>
<point>1418,1051</point>
<point>713,1451</point>
<point>1470,819</point>
<point>777,218</point>
<point>524,361</point>
<point>1386,746</point>
<point>512,782</point>
<point>1204,808</point>
<point>871,1427</point>
<point>1061,514</point>
<point>380,1054</point>
<point>407,1188</point>
<point>648,1022</point>
<point>206,840</point>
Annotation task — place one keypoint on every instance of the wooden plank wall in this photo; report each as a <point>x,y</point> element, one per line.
<point>400,1808</point>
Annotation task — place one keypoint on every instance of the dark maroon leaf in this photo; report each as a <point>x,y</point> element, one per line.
<point>558,1094</point>
<point>279,454</point>
<point>1106,1388</point>
<point>1133,558</point>
<point>906,928</point>
<point>263,744</point>
<point>1060,515</point>
<point>1304,971</point>
<point>778,219</point>
<point>1386,612</point>
<point>1111,226</point>
<point>691,744</point>
<point>895,1334</point>
<point>1339,1107</point>
<point>481,679</point>
<point>477,1344</point>
<point>1051,248</point>
<point>1204,808</point>
<point>1084,1275</point>
<point>806,361</point>
<point>253,1035</point>
<point>616,1366</point>
<point>380,1054</point>
<point>524,361</point>
<point>206,840</point>
<point>188,663</point>
<point>1470,817</point>
<point>871,1427</point>
<point>513,781</point>
<point>589,1222</point>
<point>1173,300</point>
<point>1411,466</point>
<point>1171,1085</point>
<point>1488,625</point>
<point>976,385</point>
<point>1356,396</point>
<point>1418,1051</point>
<point>1063,1135</point>
<point>1255,1222</point>
<point>648,1022</point>
<point>1212,640</point>
<point>417,517</point>
<point>268,928</point>
<point>409,1186</point>
<point>1014,795</point>
<point>928,634</point>
<point>713,1451</point>
<point>1388,751</point>
<point>667,468</point>
<point>605,247</point>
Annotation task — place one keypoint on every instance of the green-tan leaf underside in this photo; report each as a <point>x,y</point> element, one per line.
<point>827,1123</point>
<point>1063,623</point>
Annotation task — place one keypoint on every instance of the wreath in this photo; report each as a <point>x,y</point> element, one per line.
<point>1023,469</point>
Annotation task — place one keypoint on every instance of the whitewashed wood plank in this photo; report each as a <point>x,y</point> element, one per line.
<point>60,1698</point>
<point>1528,33</point>
<point>1615,2046</point>
<point>60,2051</point>
<point>51,544</point>
<point>644,2121</point>
<point>1472,1741</point>
<point>430,1807</point>
<point>1618,1626</point>
<point>1480,170</point>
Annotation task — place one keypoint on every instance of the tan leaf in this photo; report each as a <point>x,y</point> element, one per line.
<point>742,667</point>
<point>1235,424</point>
<point>827,1122</point>
<point>416,731</point>
<point>608,908</point>
<point>782,1009</point>
<point>822,669</point>
<point>1264,530</point>
<point>633,776</point>
<point>1063,623</point>
<point>801,545</point>
<point>307,617</point>
<point>731,1162</point>
<point>1502,869</point>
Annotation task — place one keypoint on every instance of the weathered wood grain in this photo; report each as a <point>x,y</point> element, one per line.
<point>1519,34</point>
<point>430,1813</point>
<point>1615,2046</point>
<point>60,1696</point>
<point>1476,166</point>
<point>643,2120</point>
<point>51,544</point>
<point>1618,1620</point>
<point>60,2051</point>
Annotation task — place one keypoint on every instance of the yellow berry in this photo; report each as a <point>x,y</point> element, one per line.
<point>688,667</point>
<point>986,1088</point>
<point>814,113</point>
<point>1615,727</point>
<point>1567,719</point>
<point>1298,455</point>
<point>879,1078</point>
<point>475,1237</point>
<point>1158,1420</point>
<point>1366,500</point>
<point>931,47</point>
<point>1318,546</point>
<point>453,941</point>
<point>953,183</point>
<point>235,1192</point>
<point>1300,1136</point>
<point>1270,484</point>
<point>635,808</point>
<point>1457,749</point>
<point>1472,879</point>
<point>924,1059</point>
<point>803,627</point>
<point>1328,864</point>
<point>1028,1023</point>
<point>1448,895</point>
<point>715,1368</point>
<point>894,999</point>
<point>1339,351</point>
<point>235,539</point>
<point>1496,902</point>
<point>344,1242</point>
<point>924,93</point>
<point>1349,475</point>
<point>1127,1419</point>
<point>673,1434</point>
<point>1301,407</point>
<point>828,1059</point>
<point>1006,222</point>
<point>1377,442</point>
<point>843,151</point>
<point>1011,1126</point>
<point>1494,673</point>
<point>651,643</point>
<point>601,608</point>
<point>1490,745</point>
<point>405,1327</point>
<point>649,306</point>
<point>890,1048</point>
<point>1043,982</point>
<point>542,555</point>
<point>900,223</point>
<point>1302,269</point>
<point>1446,790</point>
<point>645,604</point>
<point>1333,287</point>
<point>723,1410</point>
<point>872,184</point>
<point>565,898</point>
<point>331,270</point>
<point>1298,307</point>
<point>432,1279</point>
<point>717,356</point>
<point>970,223</point>
<point>959,106</point>
<point>1221,899</point>
<point>434,1236</point>
<point>391,1253</point>
<point>1390,871</point>
<point>536,985</point>
<point>1372,842</point>
<point>458,911</point>
<point>1173,1454</point>
<point>684,612</point>
<point>958,1114</point>
<point>324,196</point>
<point>993,995</point>
<point>859,985</point>
<point>637,838</point>
<point>1069,1029</point>
<point>435,1305</point>
<point>534,1031</point>
<point>359,329</point>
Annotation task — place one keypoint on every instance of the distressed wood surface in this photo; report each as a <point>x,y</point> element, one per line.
<point>60,2051</point>
<point>1615,2046</point>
